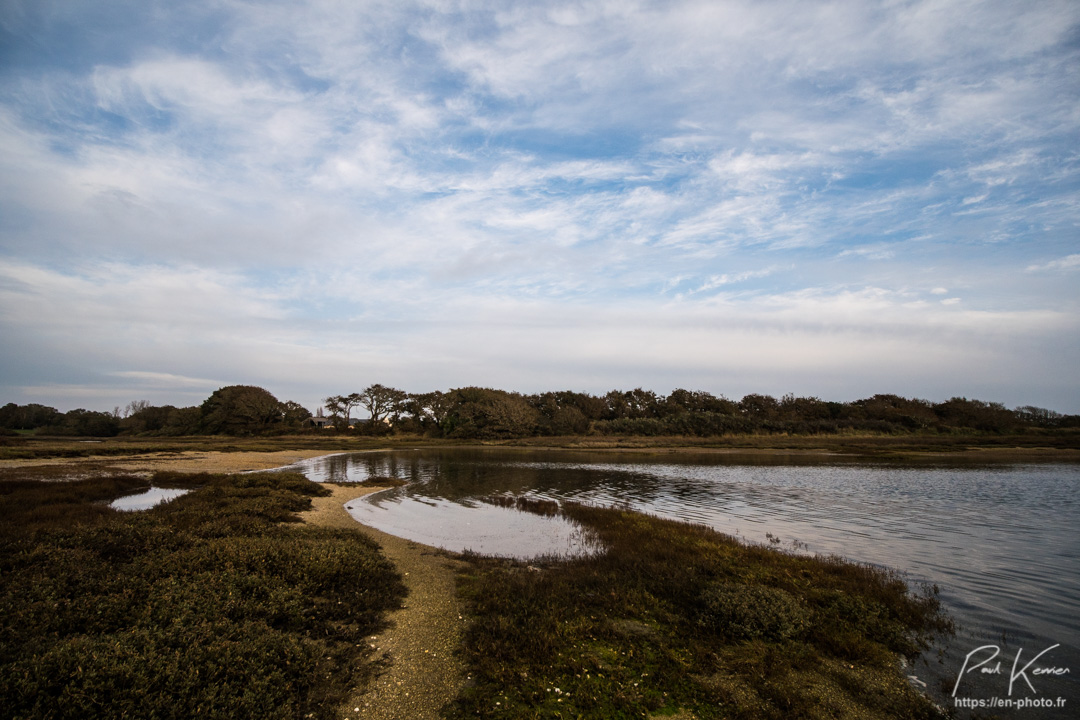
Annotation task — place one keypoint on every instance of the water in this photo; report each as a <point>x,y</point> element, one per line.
<point>474,527</point>
<point>1000,541</point>
<point>146,500</point>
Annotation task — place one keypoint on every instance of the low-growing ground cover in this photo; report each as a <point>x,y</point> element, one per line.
<point>215,604</point>
<point>679,618</point>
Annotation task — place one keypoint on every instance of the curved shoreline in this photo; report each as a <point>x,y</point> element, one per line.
<point>423,672</point>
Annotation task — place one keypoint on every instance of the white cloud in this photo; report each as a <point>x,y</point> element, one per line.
<point>178,328</point>
<point>1069,262</point>
<point>321,186</point>
<point>728,279</point>
<point>159,380</point>
<point>875,251</point>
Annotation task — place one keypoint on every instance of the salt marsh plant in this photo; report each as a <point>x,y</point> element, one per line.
<point>217,603</point>
<point>676,616</point>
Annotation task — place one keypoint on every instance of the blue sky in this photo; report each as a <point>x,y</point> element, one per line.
<point>823,198</point>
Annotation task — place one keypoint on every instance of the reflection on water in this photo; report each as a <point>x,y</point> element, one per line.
<point>1000,542</point>
<point>473,526</point>
<point>146,500</point>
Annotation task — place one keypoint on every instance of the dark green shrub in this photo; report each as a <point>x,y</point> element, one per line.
<point>210,605</point>
<point>752,612</point>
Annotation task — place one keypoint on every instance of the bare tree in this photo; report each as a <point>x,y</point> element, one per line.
<point>136,406</point>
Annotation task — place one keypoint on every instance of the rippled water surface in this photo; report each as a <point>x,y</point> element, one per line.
<point>1000,542</point>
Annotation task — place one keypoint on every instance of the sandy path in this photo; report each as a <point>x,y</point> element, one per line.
<point>424,674</point>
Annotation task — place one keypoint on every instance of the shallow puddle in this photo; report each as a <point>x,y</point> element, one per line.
<point>146,500</point>
<point>473,526</point>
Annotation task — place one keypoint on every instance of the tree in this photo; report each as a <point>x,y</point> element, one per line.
<point>636,403</point>
<point>28,417</point>
<point>698,401</point>
<point>1038,416</point>
<point>759,407</point>
<point>485,413</point>
<point>293,414</point>
<point>340,408</point>
<point>146,418</point>
<point>976,414</point>
<point>900,412</point>
<point>135,406</point>
<point>561,413</point>
<point>182,421</point>
<point>381,401</point>
<point>239,410</point>
<point>569,421</point>
<point>431,408</point>
<point>89,423</point>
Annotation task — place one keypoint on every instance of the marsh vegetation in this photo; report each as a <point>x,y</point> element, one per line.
<point>679,617</point>
<point>220,603</point>
<point>217,603</point>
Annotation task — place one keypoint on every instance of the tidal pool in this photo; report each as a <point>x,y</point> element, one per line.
<point>146,500</point>
<point>473,526</point>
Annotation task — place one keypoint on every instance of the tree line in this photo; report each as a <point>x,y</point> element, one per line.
<point>485,413</point>
<point>232,410</point>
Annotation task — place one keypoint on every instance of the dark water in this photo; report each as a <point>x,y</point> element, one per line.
<point>1000,542</point>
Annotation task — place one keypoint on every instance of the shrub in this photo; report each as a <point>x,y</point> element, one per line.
<point>212,604</point>
<point>749,612</point>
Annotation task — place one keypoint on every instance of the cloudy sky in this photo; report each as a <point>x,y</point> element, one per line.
<point>825,198</point>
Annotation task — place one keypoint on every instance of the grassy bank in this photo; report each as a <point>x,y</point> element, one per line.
<point>215,604</point>
<point>677,618</point>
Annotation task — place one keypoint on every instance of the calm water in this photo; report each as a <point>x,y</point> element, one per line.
<point>146,500</point>
<point>1000,542</point>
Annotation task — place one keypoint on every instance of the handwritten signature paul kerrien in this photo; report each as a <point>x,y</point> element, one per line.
<point>985,668</point>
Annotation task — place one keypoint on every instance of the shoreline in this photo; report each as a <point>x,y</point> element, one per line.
<point>423,671</point>
<point>63,459</point>
<point>189,461</point>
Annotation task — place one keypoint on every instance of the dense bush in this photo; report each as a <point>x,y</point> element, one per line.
<point>213,604</point>
<point>749,612</point>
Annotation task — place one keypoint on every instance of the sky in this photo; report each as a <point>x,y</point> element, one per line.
<point>830,199</point>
